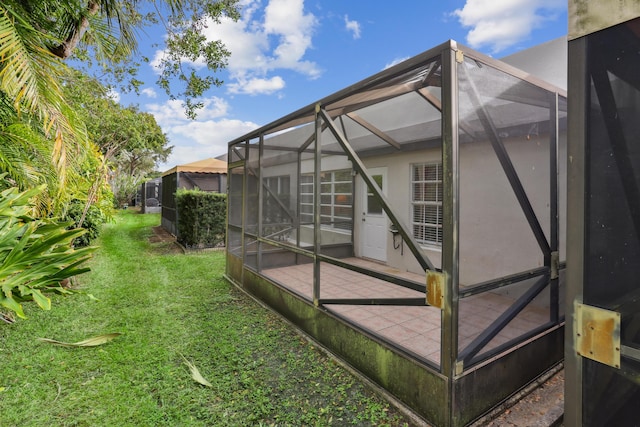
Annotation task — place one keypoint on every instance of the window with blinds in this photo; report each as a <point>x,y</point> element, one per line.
<point>426,203</point>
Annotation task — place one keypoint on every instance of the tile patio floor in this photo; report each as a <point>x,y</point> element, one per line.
<point>415,329</point>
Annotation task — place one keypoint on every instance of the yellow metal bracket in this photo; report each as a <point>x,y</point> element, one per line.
<point>436,288</point>
<point>459,56</point>
<point>597,334</point>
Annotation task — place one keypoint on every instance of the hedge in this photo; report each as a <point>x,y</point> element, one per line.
<point>201,218</point>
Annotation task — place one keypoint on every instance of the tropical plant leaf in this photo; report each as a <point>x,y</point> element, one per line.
<point>13,305</point>
<point>35,254</point>
<point>42,301</point>
<point>89,342</point>
<point>195,374</point>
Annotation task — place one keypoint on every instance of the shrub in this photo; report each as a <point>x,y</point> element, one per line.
<point>92,223</point>
<point>35,255</point>
<point>201,218</point>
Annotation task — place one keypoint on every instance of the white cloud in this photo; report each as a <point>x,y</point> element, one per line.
<point>205,137</point>
<point>353,26</point>
<point>396,61</point>
<point>197,140</point>
<point>114,95</point>
<point>286,20</point>
<point>255,86</point>
<point>214,132</point>
<point>261,43</point>
<point>172,113</point>
<point>245,40</point>
<point>150,92</point>
<point>502,23</point>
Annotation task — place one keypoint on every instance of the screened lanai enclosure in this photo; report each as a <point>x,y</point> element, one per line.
<point>206,175</point>
<point>412,224</point>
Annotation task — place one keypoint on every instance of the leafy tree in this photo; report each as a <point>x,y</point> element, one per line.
<point>104,33</point>
<point>42,139</point>
<point>131,142</point>
<point>113,127</point>
<point>36,37</point>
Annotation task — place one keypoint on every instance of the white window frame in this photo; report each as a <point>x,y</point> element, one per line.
<point>427,233</point>
<point>306,189</point>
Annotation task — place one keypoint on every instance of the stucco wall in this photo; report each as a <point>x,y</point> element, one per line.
<point>495,237</point>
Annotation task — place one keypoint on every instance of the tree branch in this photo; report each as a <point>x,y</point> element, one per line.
<point>65,50</point>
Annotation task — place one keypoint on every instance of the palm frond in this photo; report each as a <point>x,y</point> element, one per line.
<point>30,76</point>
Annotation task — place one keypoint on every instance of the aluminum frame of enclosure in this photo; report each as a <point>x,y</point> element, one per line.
<point>602,360</point>
<point>290,206</point>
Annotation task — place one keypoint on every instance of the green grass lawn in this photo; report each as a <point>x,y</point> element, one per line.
<point>169,306</point>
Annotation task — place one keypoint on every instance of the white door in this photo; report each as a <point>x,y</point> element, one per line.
<point>374,220</point>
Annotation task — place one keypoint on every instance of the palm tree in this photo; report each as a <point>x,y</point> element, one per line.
<point>37,129</point>
<point>36,37</point>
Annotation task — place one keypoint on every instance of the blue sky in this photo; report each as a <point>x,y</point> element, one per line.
<point>286,54</point>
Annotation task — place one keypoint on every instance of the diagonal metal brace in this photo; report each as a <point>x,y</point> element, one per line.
<point>421,257</point>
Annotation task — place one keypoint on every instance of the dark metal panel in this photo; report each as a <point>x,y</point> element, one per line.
<point>169,187</point>
<point>610,390</point>
<point>481,389</point>
<point>619,143</point>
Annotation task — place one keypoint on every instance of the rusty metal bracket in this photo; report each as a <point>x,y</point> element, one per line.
<point>597,334</point>
<point>436,289</point>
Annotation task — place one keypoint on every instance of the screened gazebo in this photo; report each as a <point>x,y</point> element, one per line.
<point>412,224</point>
<point>206,175</point>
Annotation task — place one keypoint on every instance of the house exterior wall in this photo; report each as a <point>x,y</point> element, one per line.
<point>399,195</point>
<point>484,193</point>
